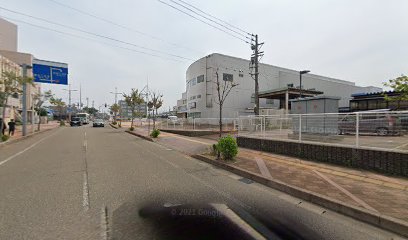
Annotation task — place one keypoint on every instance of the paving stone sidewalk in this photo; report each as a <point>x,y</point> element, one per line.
<point>32,129</point>
<point>385,194</point>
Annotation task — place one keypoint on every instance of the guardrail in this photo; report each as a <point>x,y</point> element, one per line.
<point>228,124</point>
<point>378,130</point>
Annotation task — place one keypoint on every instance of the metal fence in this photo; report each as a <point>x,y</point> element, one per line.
<point>380,130</point>
<point>229,124</point>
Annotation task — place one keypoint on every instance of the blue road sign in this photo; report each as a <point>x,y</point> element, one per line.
<point>50,72</point>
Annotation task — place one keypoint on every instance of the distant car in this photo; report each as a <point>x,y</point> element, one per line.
<point>98,123</point>
<point>380,124</point>
<point>75,121</point>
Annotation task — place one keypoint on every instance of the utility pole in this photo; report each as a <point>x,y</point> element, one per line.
<point>24,113</point>
<point>93,103</point>
<point>69,99</point>
<point>256,46</point>
<point>80,96</point>
<point>116,99</point>
<point>87,102</point>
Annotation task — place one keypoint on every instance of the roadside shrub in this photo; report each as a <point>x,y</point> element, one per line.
<point>228,147</point>
<point>5,138</point>
<point>62,123</point>
<point>131,128</point>
<point>114,123</point>
<point>155,133</point>
<point>214,150</point>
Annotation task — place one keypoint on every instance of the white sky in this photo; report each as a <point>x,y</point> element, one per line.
<point>364,41</point>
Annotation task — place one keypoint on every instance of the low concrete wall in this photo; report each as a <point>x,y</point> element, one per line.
<point>394,163</point>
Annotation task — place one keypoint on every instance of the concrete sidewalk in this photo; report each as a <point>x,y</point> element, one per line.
<point>31,129</point>
<point>379,193</point>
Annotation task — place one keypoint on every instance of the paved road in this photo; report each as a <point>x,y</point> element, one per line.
<point>90,183</point>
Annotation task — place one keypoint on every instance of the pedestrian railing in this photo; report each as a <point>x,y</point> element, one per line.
<point>228,124</point>
<point>381,130</point>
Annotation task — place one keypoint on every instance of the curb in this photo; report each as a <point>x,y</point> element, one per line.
<point>140,135</point>
<point>25,137</point>
<point>385,222</point>
<point>115,127</point>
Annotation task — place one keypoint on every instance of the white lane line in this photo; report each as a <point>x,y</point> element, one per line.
<point>85,192</point>
<point>26,149</point>
<point>86,145</point>
<point>104,224</point>
<point>262,167</point>
<point>356,199</point>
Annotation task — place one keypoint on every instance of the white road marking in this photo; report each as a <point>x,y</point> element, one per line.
<point>104,224</point>
<point>26,149</point>
<point>85,192</point>
<point>86,145</point>
<point>356,199</point>
<point>263,168</point>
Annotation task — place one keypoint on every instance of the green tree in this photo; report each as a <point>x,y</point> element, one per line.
<point>154,104</point>
<point>90,110</point>
<point>399,85</point>
<point>133,100</point>
<point>39,100</point>
<point>10,83</point>
<point>59,104</point>
<point>115,108</point>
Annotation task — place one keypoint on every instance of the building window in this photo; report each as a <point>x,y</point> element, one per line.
<point>198,96</point>
<point>253,99</point>
<point>193,81</point>
<point>195,115</point>
<point>269,101</point>
<point>227,77</point>
<point>241,75</point>
<point>200,79</point>
<point>194,97</point>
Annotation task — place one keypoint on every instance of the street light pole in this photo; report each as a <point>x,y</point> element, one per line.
<point>24,113</point>
<point>69,90</point>
<point>300,87</point>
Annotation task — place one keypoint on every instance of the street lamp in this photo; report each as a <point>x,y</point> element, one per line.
<point>300,74</point>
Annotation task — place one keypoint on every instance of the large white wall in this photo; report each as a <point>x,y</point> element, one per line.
<point>271,77</point>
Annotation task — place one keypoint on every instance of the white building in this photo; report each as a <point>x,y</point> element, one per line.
<point>199,98</point>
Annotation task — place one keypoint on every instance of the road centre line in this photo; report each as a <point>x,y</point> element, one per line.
<point>356,199</point>
<point>26,149</point>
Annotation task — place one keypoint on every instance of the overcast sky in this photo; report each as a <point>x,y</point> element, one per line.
<point>364,41</point>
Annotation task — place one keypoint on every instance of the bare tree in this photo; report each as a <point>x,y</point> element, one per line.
<point>40,99</point>
<point>223,87</point>
<point>155,103</point>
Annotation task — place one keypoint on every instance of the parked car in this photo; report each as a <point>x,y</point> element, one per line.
<point>381,124</point>
<point>75,121</point>
<point>98,123</point>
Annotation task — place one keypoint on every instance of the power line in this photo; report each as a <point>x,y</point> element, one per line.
<point>188,4</point>
<point>122,26</point>
<point>209,24</point>
<point>209,19</point>
<point>89,39</point>
<point>95,34</point>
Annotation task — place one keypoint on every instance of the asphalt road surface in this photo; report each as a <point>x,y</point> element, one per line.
<point>96,183</point>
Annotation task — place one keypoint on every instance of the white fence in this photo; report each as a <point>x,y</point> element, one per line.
<point>381,130</point>
<point>228,124</point>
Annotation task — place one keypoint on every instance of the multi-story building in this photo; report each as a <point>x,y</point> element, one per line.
<point>276,85</point>
<point>8,49</point>
<point>13,106</point>
<point>126,110</point>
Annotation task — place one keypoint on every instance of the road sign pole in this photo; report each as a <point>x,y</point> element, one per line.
<point>24,113</point>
